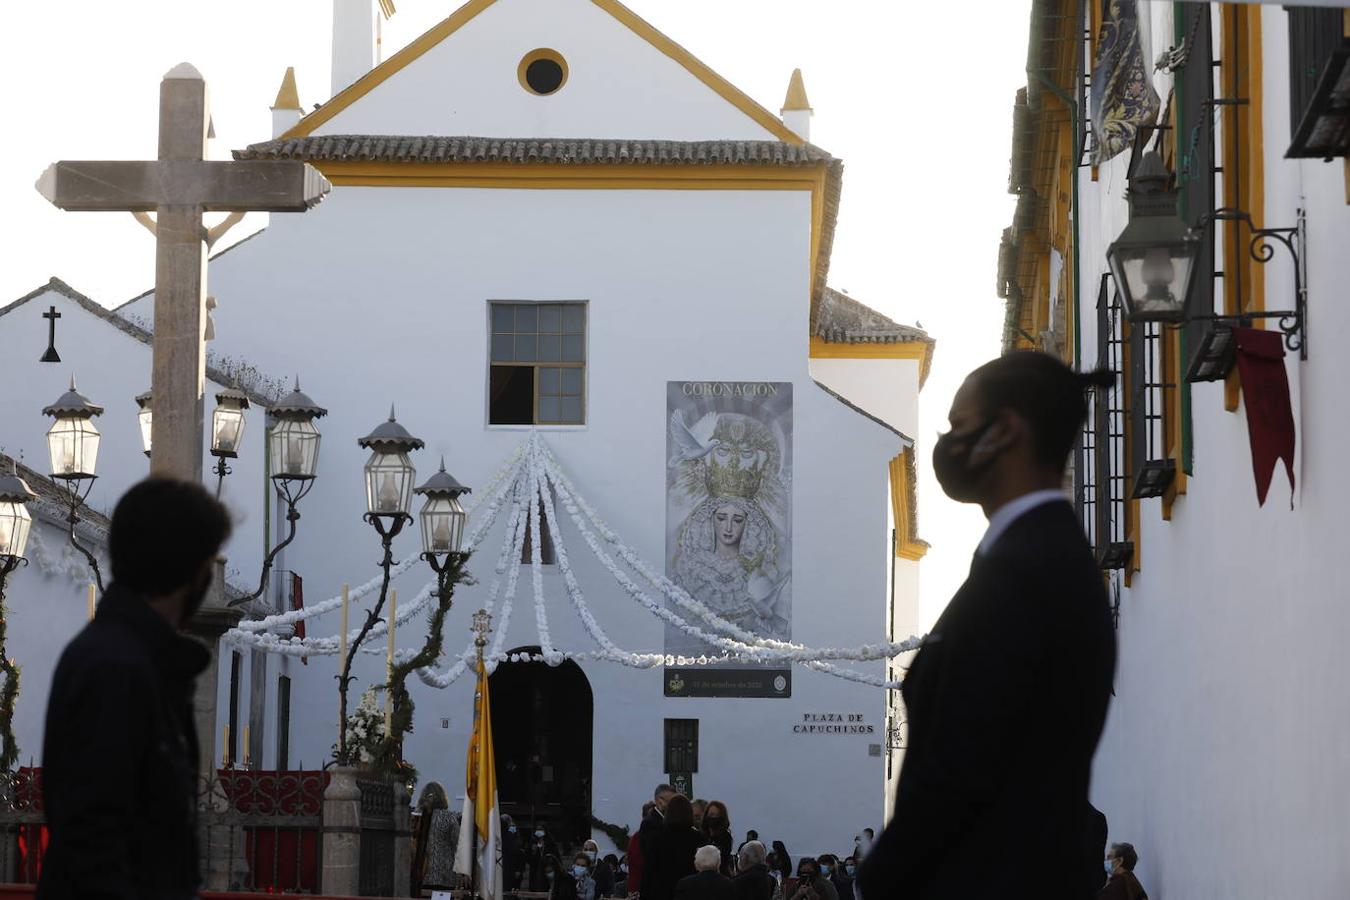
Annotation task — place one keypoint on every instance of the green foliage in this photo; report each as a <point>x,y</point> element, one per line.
<point>619,834</point>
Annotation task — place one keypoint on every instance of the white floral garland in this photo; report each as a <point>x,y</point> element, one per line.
<point>532,476</point>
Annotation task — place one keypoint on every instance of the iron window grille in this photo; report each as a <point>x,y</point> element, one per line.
<point>537,369</point>
<point>1153,470</point>
<point>1194,90</point>
<point>1085,474</point>
<point>681,745</point>
<point>1110,419</point>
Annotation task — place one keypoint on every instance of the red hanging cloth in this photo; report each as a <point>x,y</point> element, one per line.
<point>1270,417</point>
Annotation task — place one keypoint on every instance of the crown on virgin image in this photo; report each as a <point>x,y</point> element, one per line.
<point>732,480</point>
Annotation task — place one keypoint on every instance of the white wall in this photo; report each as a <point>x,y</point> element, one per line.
<point>886,388</point>
<point>47,604</point>
<point>380,294</point>
<point>1224,759</point>
<point>618,85</point>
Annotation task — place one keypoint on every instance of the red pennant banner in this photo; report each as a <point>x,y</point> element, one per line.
<point>298,602</point>
<point>1265,393</point>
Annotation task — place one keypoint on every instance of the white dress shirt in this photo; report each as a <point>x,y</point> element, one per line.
<point>1013,510</point>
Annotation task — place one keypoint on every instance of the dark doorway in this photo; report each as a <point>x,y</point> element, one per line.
<point>542,733</point>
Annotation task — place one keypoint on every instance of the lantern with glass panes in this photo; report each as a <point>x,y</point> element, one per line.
<point>72,443</point>
<point>293,453</point>
<point>1153,260</point>
<point>15,522</point>
<point>227,430</point>
<point>443,518</point>
<point>145,417</point>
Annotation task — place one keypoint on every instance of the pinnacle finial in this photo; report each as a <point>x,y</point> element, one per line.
<point>288,97</point>
<point>391,412</point>
<point>442,462</point>
<point>297,381</point>
<point>796,93</point>
<point>72,381</point>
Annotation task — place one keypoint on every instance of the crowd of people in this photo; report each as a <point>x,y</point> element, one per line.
<point>683,850</point>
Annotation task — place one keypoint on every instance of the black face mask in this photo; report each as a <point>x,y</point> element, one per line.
<point>957,476</point>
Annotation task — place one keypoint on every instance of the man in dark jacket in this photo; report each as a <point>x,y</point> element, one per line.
<point>1007,699</point>
<point>649,834</point>
<point>707,883</point>
<point>752,880</point>
<point>120,749</point>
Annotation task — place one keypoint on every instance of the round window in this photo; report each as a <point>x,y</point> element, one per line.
<point>542,72</point>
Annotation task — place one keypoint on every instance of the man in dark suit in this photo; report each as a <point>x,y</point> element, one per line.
<point>752,880</point>
<point>1007,699</point>
<point>649,832</point>
<point>706,883</point>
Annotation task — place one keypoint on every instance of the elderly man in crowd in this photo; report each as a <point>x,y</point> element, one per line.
<point>707,883</point>
<point>753,881</point>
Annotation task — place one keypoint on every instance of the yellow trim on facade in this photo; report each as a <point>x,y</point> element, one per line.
<point>462,16</point>
<point>387,7</point>
<point>288,97</point>
<point>391,66</point>
<point>920,350</point>
<point>533,57</point>
<point>907,545</point>
<point>723,88</point>
<point>1243,155</point>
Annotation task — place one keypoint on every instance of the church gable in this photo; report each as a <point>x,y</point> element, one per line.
<point>545,68</point>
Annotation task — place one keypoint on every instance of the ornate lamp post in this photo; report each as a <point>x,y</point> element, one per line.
<point>442,519</point>
<point>1153,259</point>
<point>72,443</point>
<point>389,475</point>
<point>14,527</point>
<point>293,447</point>
<point>227,431</point>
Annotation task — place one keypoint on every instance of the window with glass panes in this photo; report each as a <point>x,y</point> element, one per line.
<point>538,363</point>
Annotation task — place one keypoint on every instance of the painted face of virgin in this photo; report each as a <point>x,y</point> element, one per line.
<point>729,521</point>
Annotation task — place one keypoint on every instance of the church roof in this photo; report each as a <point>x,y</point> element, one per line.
<point>52,502</point>
<point>840,319</point>
<point>56,285</point>
<point>563,151</point>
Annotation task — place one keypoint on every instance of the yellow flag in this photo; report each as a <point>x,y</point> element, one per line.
<point>482,774</point>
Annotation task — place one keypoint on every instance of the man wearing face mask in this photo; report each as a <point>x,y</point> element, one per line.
<point>1007,698</point>
<point>120,749</point>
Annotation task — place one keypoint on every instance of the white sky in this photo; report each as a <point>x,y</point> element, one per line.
<point>915,97</point>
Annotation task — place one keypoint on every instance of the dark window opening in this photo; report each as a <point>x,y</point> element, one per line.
<point>681,746</point>
<point>538,364</point>
<point>283,723</point>
<point>232,745</point>
<point>544,76</point>
<point>1319,83</point>
<point>546,554</point>
<point>1153,469</point>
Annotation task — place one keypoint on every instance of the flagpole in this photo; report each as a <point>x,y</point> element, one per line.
<point>482,622</point>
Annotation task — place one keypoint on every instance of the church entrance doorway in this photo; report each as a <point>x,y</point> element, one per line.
<point>542,732</point>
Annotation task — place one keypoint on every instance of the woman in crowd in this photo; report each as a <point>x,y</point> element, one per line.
<point>782,862</point>
<point>675,847</point>
<point>717,832</point>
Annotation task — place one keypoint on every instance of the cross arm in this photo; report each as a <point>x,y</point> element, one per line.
<point>240,186</point>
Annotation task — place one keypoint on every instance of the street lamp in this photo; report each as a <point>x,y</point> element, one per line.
<point>1153,260</point>
<point>72,443</point>
<point>14,526</point>
<point>389,475</point>
<point>145,417</point>
<point>293,448</point>
<point>227,430</point>
<point>442,516</point>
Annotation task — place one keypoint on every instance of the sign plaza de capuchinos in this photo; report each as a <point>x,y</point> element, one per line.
<point>729,526</point>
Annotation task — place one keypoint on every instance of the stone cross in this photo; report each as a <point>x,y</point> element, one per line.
<point>51,315</point>
<point>180,185</point>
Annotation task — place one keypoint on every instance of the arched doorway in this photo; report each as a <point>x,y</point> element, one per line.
<point>542,719</point>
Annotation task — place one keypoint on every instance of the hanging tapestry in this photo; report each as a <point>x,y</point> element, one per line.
<point>1123,99</point>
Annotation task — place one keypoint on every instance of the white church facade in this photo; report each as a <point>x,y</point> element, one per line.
<point>550,222</point>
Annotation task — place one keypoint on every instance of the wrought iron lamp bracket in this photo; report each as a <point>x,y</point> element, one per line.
<point>1293,323</point>
<point>76,493</point>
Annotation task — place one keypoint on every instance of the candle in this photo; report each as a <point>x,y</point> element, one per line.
<point>225,749</point>
<point>91,602</point>
<point>245,746</point>
<point>389,677</point>
<point>294,456</point>
<point>440,535</point>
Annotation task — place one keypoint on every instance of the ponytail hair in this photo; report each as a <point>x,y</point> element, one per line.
<point>1044,392</point>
